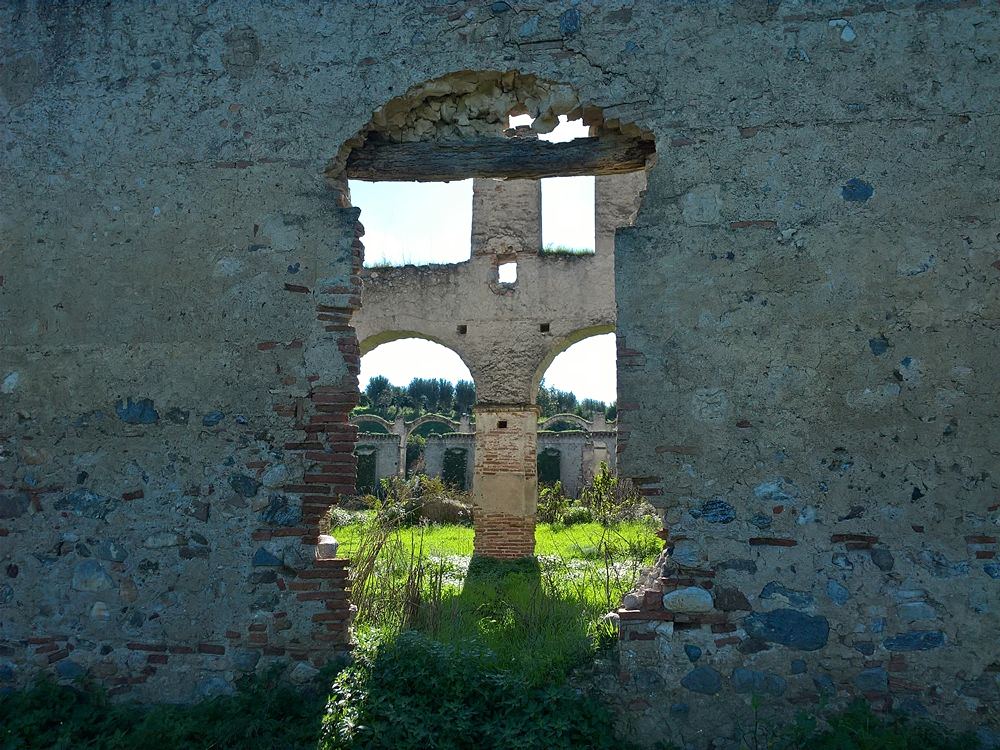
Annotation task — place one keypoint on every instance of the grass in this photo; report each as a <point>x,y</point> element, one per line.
<point>553,249</point>
<point>446,540</point>
<point>539,618</point>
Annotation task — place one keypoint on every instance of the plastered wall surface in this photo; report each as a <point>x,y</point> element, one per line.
<point>806,308</point>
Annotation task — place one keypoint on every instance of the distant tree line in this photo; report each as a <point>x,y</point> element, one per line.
<point>440,396</point>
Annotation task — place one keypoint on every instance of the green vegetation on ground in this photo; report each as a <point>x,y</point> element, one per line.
<point>265,712</point>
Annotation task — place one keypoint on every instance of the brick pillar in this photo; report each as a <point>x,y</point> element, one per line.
<point>505,484</point>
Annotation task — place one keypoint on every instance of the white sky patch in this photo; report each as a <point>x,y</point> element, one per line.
<point>568,213</point>
<point>567,202</point>
<point>403,360</point>
<point>415,222</point>
<point>588,369</point>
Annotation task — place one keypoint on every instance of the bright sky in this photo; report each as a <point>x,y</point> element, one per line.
<point>420,223</point>
<point>586,368</point>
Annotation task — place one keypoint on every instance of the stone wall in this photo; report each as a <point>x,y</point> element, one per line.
<point>437,445</point>
<point>806,331</point>
<point>176,286</point>
<point>386,450</point>
<point>571,447</point>
<point>806,309</point>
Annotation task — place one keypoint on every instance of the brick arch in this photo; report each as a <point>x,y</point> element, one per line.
<point>430,419</point>
<point>557,418</point>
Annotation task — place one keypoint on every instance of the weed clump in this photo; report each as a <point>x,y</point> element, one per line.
<point>414,692</point>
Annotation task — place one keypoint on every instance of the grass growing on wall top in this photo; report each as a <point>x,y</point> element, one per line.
<point>554,249</point>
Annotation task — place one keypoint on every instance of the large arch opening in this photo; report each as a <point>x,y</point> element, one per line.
<point>512,307</point>
<point>411,388</point>
<point>576,396</point>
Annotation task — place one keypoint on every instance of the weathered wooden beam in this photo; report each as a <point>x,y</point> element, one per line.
<point>510,158</point>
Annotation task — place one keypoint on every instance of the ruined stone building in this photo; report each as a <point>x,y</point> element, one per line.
<point>574,456</point>
<point>506,333</point>
<point>806,310</point>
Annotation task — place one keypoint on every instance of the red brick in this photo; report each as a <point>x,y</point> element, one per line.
<point>837,538</point>
<point>58,655</point>
<point>209,648</point>
<point>156,647</point>
<point>328,617</point>
<point>770,541</point>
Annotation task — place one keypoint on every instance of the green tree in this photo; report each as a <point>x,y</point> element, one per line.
<point>465,396</point>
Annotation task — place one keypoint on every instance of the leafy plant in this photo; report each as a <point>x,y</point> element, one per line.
<point>613,499</point>
<point>417,693</point>
<point>265,712</point>
<point>858,728</point>
<point>552,503</point>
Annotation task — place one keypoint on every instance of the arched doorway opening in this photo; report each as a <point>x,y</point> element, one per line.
<point>513,304</point>
<point>576,396</point>
<point>411,388</point>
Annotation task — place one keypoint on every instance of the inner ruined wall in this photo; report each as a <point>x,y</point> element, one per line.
<point>877,338</point>
<point>506,333</point>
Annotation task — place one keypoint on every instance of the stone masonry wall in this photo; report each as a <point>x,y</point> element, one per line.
<point>176,285</point>
<point>807,379</point>
<point>807,314</point>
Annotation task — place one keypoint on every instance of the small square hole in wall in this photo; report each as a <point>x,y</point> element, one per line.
<point>507,273</point>
<point>502,424</point>
<point>463,329</point>
<point>543,327</point>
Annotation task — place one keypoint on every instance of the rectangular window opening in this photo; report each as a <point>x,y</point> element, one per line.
<point>507,273</point>
<point>568,216</point>
<point>414,223</point>
<point>502,424</point>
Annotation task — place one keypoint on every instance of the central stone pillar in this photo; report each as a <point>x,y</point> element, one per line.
<point>505,482</point>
